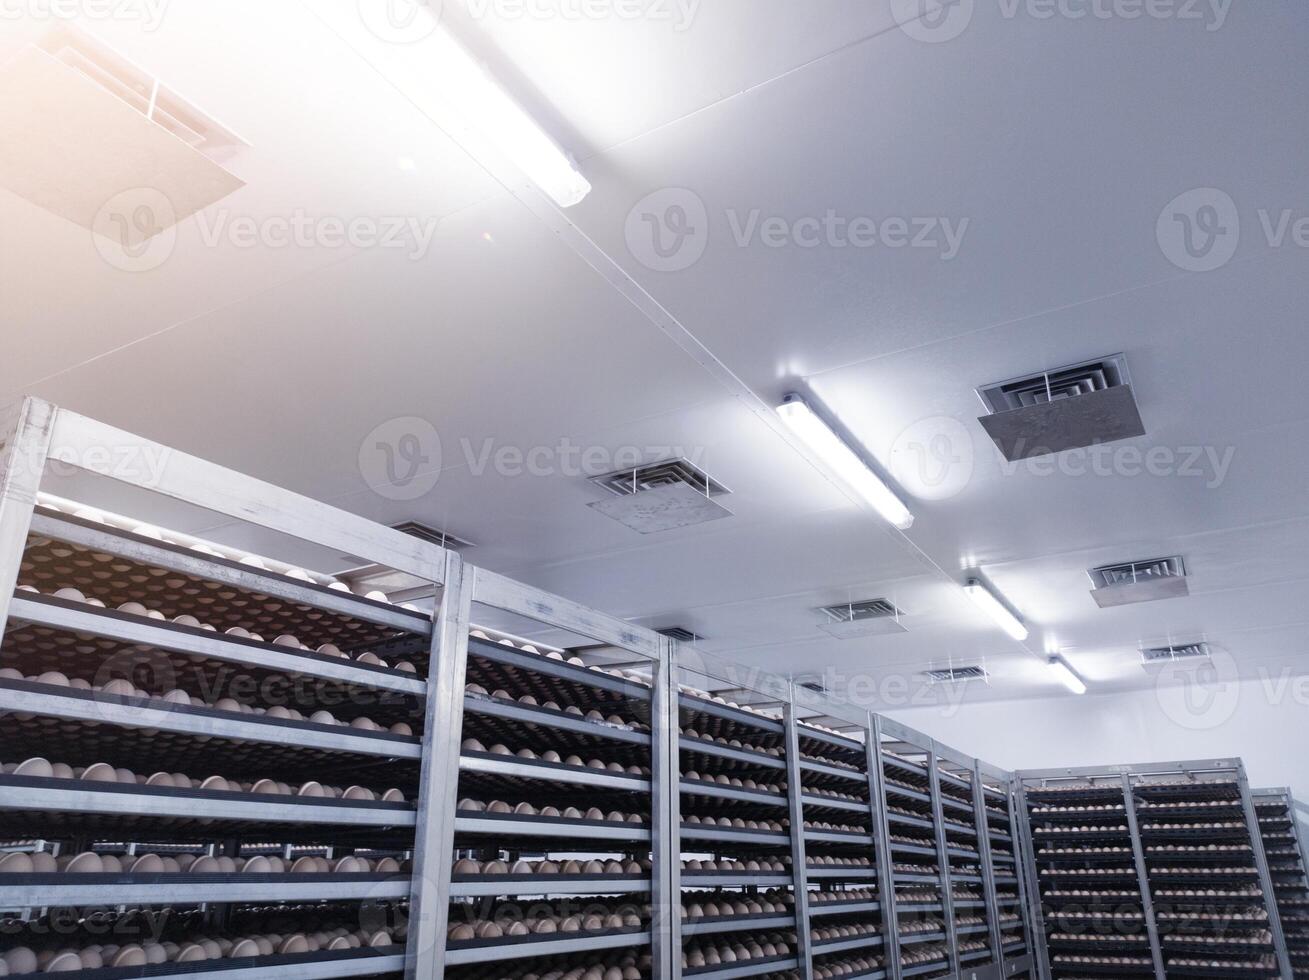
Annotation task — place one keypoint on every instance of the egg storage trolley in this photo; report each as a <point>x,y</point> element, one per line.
<point>934,820</point>
<point>1284,848</point>
<point>1150,870</point>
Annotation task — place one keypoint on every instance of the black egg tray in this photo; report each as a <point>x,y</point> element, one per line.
<point>34,649</point>
<point>519,942</point>
<point>144,749</point>
<point>724,721</point>
<point>220,966</point>
<point>816,743</point>
<point>541,734</point>
<point>48,823</point>
<point>762,962</point>
<point>498,667</point>
<point>693,758</point>
<point>48,565</point>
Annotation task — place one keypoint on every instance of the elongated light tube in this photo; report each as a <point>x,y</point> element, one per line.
<point>986,601</point>
<point>488,108</point>
<point>844,463</point>
<point>1065,675</point>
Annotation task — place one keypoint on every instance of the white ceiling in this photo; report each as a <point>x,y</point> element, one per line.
<point>1059,141</point>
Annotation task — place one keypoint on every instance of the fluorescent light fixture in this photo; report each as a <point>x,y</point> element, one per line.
<point>1065,675</point>
<point>986,601</point>
<point>428,65</point>
<point>488,108</point>
<point>844,463</point>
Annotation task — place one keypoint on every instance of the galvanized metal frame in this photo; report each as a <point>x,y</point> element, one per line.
<point>35,433</point>
<point>1142,878</point>
<point>1022,833</point>
<point>983,823</point>
<point>1024,884</point>
<point>799,870</point>
<point>1265,876</point>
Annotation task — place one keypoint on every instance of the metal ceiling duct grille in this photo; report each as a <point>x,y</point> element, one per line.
<point>1065,382</point>
<point>443,538</point>
<point>139,89</point>
<point>1132,572</point>
<point>1139,581</point>
<point>679,633</point>
<point>956,675</point>
<point>852,612</point>
<point>816,684</point>
<point>672,472</point>
<point>868,617</point>
<point>1068,407</point>
<point>1172,654</point>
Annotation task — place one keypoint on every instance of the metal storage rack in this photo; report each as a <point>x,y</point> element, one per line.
<point>439,857</point>
<point>1285,850</point>
<point>1149,870</point>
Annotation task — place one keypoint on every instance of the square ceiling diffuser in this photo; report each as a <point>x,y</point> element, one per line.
<point>85,128</point>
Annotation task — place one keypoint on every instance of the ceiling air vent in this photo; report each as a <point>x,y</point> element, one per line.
<point>400,586</point>
<point>1163,656</point>
<point>672,472</point>
<point>816,684</point>
<point>103,143</point>
<point>679,633</point>
<point>442,538</point>
<point>660,496</point>
<point>1139,581</point>
<point>867,617</point>
<point>1064,408</point>
<point>956,675</point>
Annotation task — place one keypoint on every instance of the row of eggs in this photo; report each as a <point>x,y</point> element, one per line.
<point>468,805</point>
<point>23,960</point>
<point>540,925</point>
<point>593,715</point>
<point>283,640</point>
<point>90,862</point>
<point>102,772</point>
<point>736,782</point>
<point>713,954</point>
<point>467,866</point>
<point>474,745</point>
<point>126,689</point>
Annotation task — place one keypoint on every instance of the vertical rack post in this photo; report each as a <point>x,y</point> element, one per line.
<point>24,445</point>
<point>1023,843</point>
<point>1024,872</point>
<point>665,818</point>
<point>1265,876</point>
<point>882,841</point>
<point>988,869</point>
<point>429,908</point>
<point>799,876</point>
<point>879,828</point>
<point>1143,879</point>
<point>943,859</point>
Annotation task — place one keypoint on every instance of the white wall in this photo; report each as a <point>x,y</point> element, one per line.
<point>1265,725</point>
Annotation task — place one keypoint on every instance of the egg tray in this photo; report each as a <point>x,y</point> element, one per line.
<point>537,966</point>
<point>541,792</point>
<point>763,962</point>
<point>545,772</point>
<point>489,729</point>
<point>519,942</point>
<point>637,883</point>
<point>220,966</point>
<point>42,823</point>
<point>48,564</point>
<point>188,878</point>
<point>767,843</point>
<point>518,818</point>
<point>724,721</point>
<point>822,780</point>
<point>693,758</point>
<point>1201,792</point>
<point>832,746</point>
<point>141,749</point>
<point>33,650</point>
<point>500,668</point>
<point>1227,971</point>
